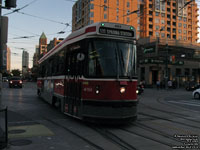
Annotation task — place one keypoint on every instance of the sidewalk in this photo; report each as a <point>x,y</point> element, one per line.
<point>3,127</point>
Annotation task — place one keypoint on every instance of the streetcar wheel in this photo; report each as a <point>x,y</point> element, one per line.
<point>196,96</point>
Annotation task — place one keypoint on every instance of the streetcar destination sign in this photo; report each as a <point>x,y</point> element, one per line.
<point>117,32</point>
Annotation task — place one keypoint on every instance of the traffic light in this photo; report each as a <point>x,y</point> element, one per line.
<point>10,3</point>
<point>172,59</point>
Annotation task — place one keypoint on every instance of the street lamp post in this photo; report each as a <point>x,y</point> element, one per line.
<point>166,68</point>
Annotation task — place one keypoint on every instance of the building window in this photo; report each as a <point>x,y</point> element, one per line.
<point>91,14</point>
<point>163,15</point>
<point>138,21</point>
<point>151,13</point>
<point>162,28</point>
<point>157,20</point>
<point>91,21</point>
<point>184,19</point>
<point>117,18</point>
<point>105,8</point>
<point>163,21</point>
<point>91,6</point>
<point>179,18</point>
<point>128,4</point>
<point>105,16</point>
<point>157,34</point>
<point>128,19</point>
<point>179,31</point>
<point>138,28</point>
<point>184,25</point>
<point>184,31</point>
<point>138,6</point>
<point>117,10</point>
<point>162,35</point>
<point>179,24</point>
<point>117,2</point>
<point>184,38</point>
<point>105,1</point>
<point>157,13</point>
<point>157,27</point>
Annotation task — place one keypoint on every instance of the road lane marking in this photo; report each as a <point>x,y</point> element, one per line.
<point>193,104</point>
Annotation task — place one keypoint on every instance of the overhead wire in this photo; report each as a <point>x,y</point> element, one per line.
<point>16,10</point>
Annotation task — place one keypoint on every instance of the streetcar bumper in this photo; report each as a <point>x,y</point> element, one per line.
<point>109,110</point>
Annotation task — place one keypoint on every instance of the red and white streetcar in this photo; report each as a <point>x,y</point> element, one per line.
<point>92,73</point>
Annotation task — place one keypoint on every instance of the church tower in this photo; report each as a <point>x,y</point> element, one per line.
<point>43,44</point>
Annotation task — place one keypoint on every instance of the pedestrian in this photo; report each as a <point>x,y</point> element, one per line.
<point>158,84</point>
<point>169,84</point>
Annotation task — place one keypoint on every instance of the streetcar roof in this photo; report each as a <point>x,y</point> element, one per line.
<point>81,34</point>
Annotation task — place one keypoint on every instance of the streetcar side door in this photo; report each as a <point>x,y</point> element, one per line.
<point>74,64</point>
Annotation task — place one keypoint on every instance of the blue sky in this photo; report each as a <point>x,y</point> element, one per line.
<point>20,25</point>
<point>58,11</point>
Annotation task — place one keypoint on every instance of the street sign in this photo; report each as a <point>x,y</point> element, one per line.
<point>149,50</point>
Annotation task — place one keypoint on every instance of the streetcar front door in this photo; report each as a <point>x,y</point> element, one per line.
<point>73,85</point>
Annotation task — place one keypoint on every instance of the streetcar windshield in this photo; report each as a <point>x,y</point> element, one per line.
<point>111,58</point>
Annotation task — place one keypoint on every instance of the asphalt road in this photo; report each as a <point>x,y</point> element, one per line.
<point>166,120</point>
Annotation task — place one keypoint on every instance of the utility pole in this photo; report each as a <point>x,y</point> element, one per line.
<point>8,4</point>
<point>166,67</point>
<point>1,54</point>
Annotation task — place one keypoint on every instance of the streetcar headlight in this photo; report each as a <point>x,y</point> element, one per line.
<point>122,90</point>
<point>97,91</point>
<point>11,82</point>
<point>137,91</point>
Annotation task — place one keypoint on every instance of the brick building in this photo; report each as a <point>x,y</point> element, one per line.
<point>167,34</point>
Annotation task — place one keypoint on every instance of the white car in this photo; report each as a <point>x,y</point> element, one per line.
<point>196,94</point>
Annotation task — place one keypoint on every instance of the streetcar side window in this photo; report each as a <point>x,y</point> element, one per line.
<point>91,61</point>
<point>75,59</point>
<point>61,61</point>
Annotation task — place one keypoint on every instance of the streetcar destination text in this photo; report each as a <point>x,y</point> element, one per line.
<point>116,32</point>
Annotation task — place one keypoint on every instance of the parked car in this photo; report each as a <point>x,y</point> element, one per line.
<point>15,82</point>
<point>196,94</point>
<point>5,79</point>
<point>192,86</point>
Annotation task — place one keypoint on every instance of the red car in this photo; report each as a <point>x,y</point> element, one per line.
<point>15,82</point>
